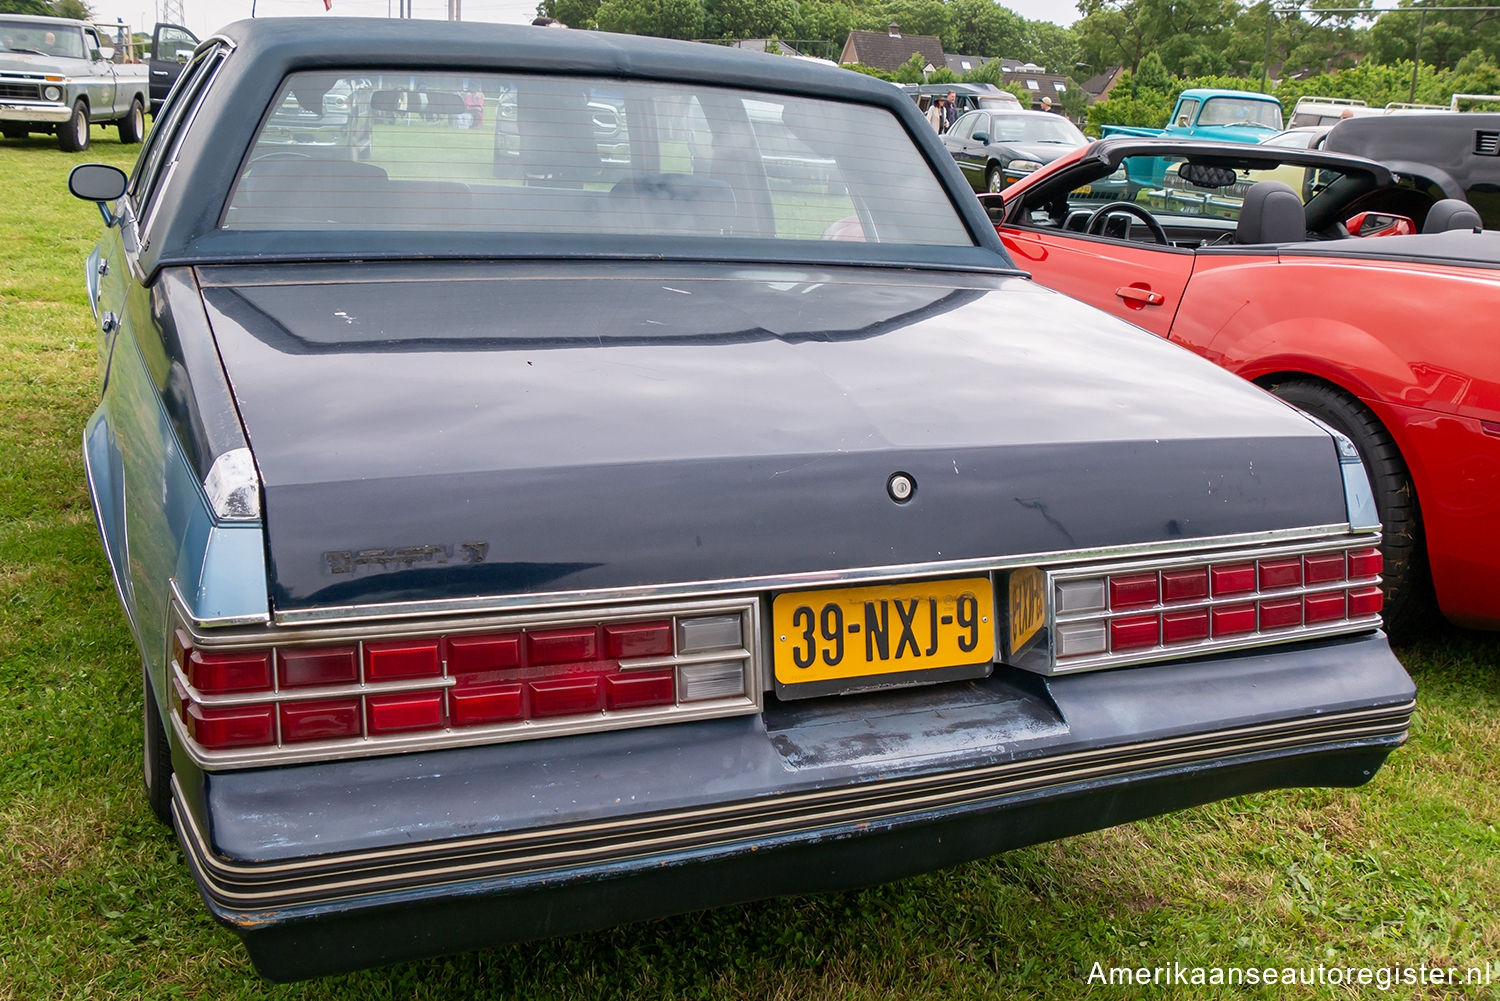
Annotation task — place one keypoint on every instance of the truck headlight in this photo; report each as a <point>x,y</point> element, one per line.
<point>52,93</point>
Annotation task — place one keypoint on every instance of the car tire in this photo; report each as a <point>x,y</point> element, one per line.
<point>1409,598</point>
<point>133,125</point>
<point>156,755</point>
<point>73,135</point>
<point>993,182</point>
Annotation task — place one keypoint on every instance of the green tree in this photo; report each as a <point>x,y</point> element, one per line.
<point>76,9</point>
<point>1447,37</point>
<point>749,18</point>
<point>40,7</point>
<point>663,18</point>
<point>916,17</point>
<point>573,13</point>
<point>1122,32</point>
<point>825,19</point>
<point>982,28</point>
<point>911,70</point>
<point>1051,45</point>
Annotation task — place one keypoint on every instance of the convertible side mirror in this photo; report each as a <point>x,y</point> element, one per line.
<point>98,183</point>
<point>1380,224</point>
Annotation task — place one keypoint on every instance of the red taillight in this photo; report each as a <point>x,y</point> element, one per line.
<point>1283,613</point>
<point>1366,563</point>
<point>1233,620</point>
<point>1276,574</point>
<point>489,704</point>
<point>304,668</point>
<point>400,660</point>
<point>220,673</point>
<point>1364,601</point>
<point>1134,633</point>
<point>1184,627</point>
<point>1235,578</point>
<point>1184,585</point>
<point>320,719</point>
<point>638,639</point>
<point>640,689</point>
<point>562,646</point>
<point>240,726</point>
<point>1327,607</point>
<point>1133,590</point>
<point>404,712</point>
<point>1323,568</point>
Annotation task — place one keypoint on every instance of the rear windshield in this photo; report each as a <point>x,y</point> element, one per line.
<point>538,154</point>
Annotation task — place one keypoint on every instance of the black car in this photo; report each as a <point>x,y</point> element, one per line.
<point>994,148</point>
<point>514,552</point>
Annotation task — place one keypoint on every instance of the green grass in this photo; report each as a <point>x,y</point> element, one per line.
<point>95,901</point>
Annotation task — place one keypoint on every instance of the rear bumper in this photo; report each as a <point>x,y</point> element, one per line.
<point>322,868</point>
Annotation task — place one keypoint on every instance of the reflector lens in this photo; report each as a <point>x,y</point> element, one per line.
<point>481,654</point>
<point>1233,620</point>
<point>217,673</point>
<point>567,696</point>
<point>638,639</point>
<point>1366,563</point>
<point>1281,613</point>
<point>638,689</point>
<point>562,646</point>
<point>492,704</point>
<point>325,719</point>
<point>392,661</point>
<point>1080,595</point>
<point>1184,585</point>
<point>1080,638</point>
<point>242,726</point>
<point>1280,573</point>
<point>1365,601</point>
<point>1236,578</point>
<point>718,632</point>
<point>1134,632</point>
<point>1133,591</point>
<point>1323,568</point>
<point>1323,607</point>
<point>712,681</point>
<point>1185,627</point>
<point>405,712</point>
<point>319,666</point>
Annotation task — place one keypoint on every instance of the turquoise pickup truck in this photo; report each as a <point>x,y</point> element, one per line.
<point>1239,116</point>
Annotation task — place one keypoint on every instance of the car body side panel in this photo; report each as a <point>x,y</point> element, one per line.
<point>1370,330</point>
<point>1093,270</point>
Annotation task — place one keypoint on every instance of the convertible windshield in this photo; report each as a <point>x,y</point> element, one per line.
<point>536,154</point>
<point>35,38</point>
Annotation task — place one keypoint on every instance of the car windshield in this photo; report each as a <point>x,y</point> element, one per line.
<point>41,39</point>
<point>1034,129</point>
<point>537,154</point>
<point>1241,111</point>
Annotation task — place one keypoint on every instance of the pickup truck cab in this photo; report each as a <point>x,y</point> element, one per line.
<point>58,76</point>
<point>1209,113</point>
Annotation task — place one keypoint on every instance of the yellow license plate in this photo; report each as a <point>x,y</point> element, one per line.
<point>854,632</point>
<point>1026,610</point>
<point>1084,189</point>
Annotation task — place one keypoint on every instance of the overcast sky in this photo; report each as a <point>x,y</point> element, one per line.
<point>205,16</point>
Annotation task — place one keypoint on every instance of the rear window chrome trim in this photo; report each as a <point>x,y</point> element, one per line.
<point>336,614</point>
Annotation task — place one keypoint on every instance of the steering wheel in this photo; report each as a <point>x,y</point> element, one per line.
<point>1095,225</point>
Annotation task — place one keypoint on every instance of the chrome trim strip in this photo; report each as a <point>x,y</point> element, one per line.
<point>361,873</point>
<point>126,606</point>
<point>781,582</point>
<point>1182,651</point>
<point>221,622</point>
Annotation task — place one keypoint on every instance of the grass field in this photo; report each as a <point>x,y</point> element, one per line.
<point>95,901</point>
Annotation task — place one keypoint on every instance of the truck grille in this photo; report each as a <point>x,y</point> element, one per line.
<point>21,91</point>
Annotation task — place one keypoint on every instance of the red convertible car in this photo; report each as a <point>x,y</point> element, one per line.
<point>1262,260</point>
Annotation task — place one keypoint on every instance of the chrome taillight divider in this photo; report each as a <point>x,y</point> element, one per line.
<point>738,665</point>
<point>1047,654</point>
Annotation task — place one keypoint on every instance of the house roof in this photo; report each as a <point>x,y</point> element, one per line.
<point>887,50</point>
<point>964,64</point>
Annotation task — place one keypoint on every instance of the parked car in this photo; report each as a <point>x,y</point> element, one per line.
<point>57,76</point>
<point>1443,154</point>
<point>1389,340</point>
<point>966,96</point>
<point>510,556</point>
<point>1209,113</point>
<point>172,46</point>
<point>994,148</point>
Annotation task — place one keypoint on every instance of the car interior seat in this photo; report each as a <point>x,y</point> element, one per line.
<point>1451,214</point>
<point>1271,213</point>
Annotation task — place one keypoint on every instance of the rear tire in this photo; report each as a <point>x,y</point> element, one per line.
<point>133,125</point>
<point>73,135</point>
<point>1409,598</point>
<point>156,755</point>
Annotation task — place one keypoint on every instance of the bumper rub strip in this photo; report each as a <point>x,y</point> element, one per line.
<point>355,874</point>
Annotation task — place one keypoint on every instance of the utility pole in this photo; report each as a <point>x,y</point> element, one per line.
<point>172,12</point>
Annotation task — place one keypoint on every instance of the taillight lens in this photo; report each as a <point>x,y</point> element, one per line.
<point>1140,613</point>
<point>457,684</point>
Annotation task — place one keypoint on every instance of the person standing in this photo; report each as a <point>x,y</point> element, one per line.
<point>950,111</point>
<point>935,115</point>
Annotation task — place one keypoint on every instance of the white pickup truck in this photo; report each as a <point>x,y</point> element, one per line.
<point>59,76</point>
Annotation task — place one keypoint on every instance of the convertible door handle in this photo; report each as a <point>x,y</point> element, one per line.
<point>1144,296</point>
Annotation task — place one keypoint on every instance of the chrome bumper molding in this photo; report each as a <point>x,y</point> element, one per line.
<point>243,888</point>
